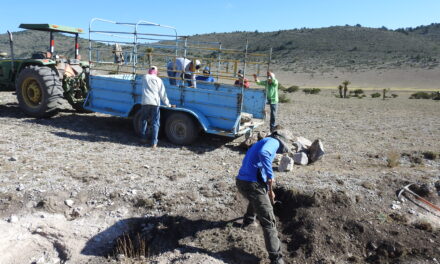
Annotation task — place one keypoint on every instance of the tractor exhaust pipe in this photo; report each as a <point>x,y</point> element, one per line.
<point>11,44</point>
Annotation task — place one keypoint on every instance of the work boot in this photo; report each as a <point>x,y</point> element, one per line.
<point>276,259</point>
<point>279,261</point>
<point>154,146</point>
<point>249,225</point>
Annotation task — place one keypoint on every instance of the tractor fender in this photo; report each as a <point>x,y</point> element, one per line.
<point>44,62</point>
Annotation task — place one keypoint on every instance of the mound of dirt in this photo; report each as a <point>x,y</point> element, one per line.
<point>324,226</point>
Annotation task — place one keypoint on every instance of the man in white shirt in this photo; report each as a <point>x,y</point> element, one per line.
<point>153,91</point>
<point>183,68</point>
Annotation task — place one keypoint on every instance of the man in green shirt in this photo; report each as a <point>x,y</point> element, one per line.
<point>271,85</point>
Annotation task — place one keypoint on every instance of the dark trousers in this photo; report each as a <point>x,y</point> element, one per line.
<point>150,117</point>
<point>273,115</point>
<point>261,208</point>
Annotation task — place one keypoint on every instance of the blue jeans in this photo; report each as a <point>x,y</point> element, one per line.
<point>273,115</point>
<point>150,116</point>
<point>172,75</point>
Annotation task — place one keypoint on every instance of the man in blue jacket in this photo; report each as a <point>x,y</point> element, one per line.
<point>206,77</point>
<point>255,180</point>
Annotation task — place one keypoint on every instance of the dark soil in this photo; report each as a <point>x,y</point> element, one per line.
<point>320,227</point>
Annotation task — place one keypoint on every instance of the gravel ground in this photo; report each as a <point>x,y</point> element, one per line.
<point>72,184</point>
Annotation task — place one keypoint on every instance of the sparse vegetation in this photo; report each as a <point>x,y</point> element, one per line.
<point>393,159</point>
<point>311,90</point>
<point>340,87</point>
<point>358,92</point>
<point>375,95</point>
<point>129,247</point>
<point>292,89</point>
<point>282,98</point>
<point>345,84</point>
<point>420,95</point>
<point>281,87</point>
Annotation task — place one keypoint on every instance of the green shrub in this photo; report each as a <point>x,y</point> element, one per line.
<point>292,89</point>
<point>311,90</point>
<point>375,95</point>
<point>282,98</point>
<point>358,92</point>
<point>421,95</point>
<point>281,87</point>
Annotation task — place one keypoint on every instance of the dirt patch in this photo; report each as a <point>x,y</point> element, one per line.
<point>323,226</point>
<point>342,209</point>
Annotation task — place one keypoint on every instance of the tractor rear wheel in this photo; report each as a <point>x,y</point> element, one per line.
<point>39,91</point>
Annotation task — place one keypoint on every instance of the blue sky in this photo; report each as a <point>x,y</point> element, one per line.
<point>198,17</point>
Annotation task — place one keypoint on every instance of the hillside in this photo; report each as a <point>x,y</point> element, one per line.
<point>353,48</point>
<point>321,50</point>
<point>27,42</point>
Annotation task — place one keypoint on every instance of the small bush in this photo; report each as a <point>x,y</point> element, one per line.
<point>421,95</point>
<point>283,98</point>
<point>281,87</point>
<point>394,95</point>
<point>393,159</point>
<point>430,155</point>
<point>358,92</point>
<point>311,90</point>
<point>292,89</point>
<point>375,95</point>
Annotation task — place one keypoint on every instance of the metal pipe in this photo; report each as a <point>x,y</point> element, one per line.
<point>52,43</point>
<point>11,44</point>
<point>270,58</point>
<point>76,46</point>
<point>219,58</point>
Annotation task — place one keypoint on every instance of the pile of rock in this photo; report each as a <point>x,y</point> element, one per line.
<point>305,152</point>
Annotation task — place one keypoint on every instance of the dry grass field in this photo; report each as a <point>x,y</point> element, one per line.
<point>71,185</point>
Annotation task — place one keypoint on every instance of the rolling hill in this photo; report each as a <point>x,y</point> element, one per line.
<point>369,57</point>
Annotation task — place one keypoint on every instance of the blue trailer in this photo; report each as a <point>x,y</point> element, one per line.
<point>212,107</point>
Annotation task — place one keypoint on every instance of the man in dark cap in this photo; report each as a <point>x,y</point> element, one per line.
<point>255,180</point>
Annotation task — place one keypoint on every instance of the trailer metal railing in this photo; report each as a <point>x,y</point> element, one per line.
<point>130,49</point>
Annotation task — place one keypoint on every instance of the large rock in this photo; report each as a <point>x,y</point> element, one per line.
<point>299,146</point>
<point>245,118</point>
<point>286,164</point>
<point>300,158</point>
<point>304,141</point>
<point>316,151</point>
<point>248,142</point>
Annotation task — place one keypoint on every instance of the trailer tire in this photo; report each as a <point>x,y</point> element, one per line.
<point>39,91</point>
<point>137,124</point>
<point>181,129</point>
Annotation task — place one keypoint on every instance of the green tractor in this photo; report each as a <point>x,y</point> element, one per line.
<point>42,81</point>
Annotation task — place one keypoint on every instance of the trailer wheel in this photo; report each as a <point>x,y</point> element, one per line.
<point>181,129</point>
<point>137,124</point>
<point>39,91</point>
